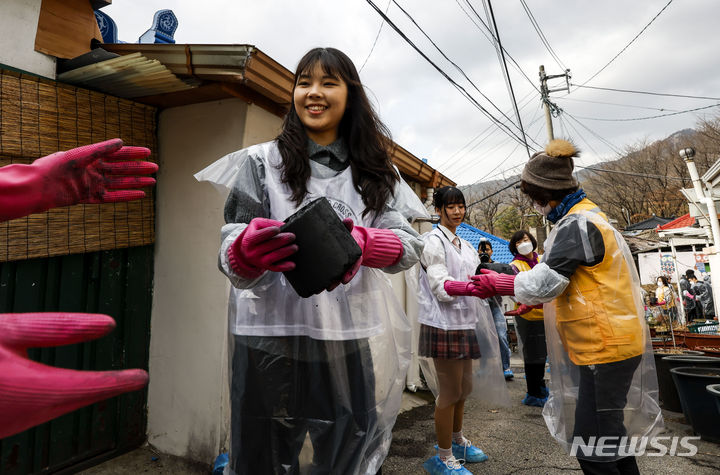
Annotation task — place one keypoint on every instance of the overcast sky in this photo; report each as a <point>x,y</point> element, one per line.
<point>676,54</point>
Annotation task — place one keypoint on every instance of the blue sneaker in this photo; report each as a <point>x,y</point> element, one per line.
<point>435,466</point>
<point>508,374</point>
<point>469,452</point>
<point>529,400</point>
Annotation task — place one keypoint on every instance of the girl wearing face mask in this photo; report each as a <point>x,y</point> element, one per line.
<point>665,297</point>
<point>529,324</point>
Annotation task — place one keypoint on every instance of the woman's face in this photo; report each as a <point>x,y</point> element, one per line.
<point>525,246</point>
<point>451,215</point>
<point>320,101</point>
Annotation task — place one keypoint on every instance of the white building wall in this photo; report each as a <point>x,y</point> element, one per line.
<point>187,403</point>
<point>18,26</point>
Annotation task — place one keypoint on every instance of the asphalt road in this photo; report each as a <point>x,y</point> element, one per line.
<point>518,442</point>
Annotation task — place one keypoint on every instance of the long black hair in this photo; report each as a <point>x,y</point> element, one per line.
<point>366,137</point>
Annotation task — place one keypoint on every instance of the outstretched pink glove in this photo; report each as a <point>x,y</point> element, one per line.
<point>380,248</point>
<point>522,310</point>
<point>454,287</point>
<point>490,283</point>
<point>260,247</point>
<point>32,393</point>
<point>99,173</point>
<point>689,295</point>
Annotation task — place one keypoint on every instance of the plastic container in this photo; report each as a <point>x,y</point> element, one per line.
<point>714,390</point>
<point>698,404</point>
<point>693,340</point>
<point>666,384</point>
<point>703,327</point>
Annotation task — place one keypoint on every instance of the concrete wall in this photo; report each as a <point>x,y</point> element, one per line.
<point>187,404</point>
<point>18,25</point>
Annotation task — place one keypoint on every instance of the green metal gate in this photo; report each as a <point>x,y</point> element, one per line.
<point>117,283</point>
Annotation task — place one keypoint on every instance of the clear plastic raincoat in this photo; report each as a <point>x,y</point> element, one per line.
<point>459,313</point>
<point>603,388</point>
<point>317,379</point>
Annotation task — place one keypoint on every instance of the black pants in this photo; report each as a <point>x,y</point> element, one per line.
<point>623,466</point>
<point>295,386</point>
<point>602,396</point>
<point>532,336</point>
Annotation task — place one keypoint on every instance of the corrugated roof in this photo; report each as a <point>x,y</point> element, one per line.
<point>650,223</point>
<point>683,221</point>
<point>128,76</point>
<point>501,252</point>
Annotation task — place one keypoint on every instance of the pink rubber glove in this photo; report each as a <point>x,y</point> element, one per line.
<point>490,283</point>
<point>99,173</point>
<point>522,310</point>
<point>454,287</point>
<point>32,393</point>
<point>688,295</point>
<point>260,247</point>
<point>380,248</point>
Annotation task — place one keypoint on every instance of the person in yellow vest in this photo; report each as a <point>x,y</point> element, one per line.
<point>603,386</point>
<point>665,298</point>
<point>529,324</point>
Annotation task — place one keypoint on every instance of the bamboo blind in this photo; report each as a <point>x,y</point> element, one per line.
<point>39,117</point>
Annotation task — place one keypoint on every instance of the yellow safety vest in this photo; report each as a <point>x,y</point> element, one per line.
<point>536,313</point>
<point>596,314</point>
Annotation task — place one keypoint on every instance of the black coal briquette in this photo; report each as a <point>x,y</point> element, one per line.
<point>326,249</point>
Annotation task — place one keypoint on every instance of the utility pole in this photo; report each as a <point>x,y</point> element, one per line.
<point>545,95</point>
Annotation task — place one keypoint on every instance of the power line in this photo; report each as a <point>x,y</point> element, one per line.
<point>618,105</point>
<point>581,136</point>
<point>382,23</point>
<point>508,81</point>
<point>602,139</point>
<point>543,39</point>
<point>448,161</point>
<point>646,92</point>
<point>462,90</point>
<point>487,175</point>
<point>631,42</point>
<point>493,194</point>
<point>491,40</point>
<point>643,175</point>
<point>456,66</point>
<point>471,168</point>
<point>650,117</point>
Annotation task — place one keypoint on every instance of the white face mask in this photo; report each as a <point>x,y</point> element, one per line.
<point>524,248</point>
<point>543,210</point>
<point>660,283</point>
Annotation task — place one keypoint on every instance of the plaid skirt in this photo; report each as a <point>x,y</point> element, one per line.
<point>448,344</point>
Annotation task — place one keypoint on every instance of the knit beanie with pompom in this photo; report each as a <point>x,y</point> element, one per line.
<point>552,168</point>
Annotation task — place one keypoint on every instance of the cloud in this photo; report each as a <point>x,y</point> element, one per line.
<point>676,54</point>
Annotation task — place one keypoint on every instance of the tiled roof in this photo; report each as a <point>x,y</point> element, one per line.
<point>683,221</point>
<point>650,223</point>
<point>501,253</point>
